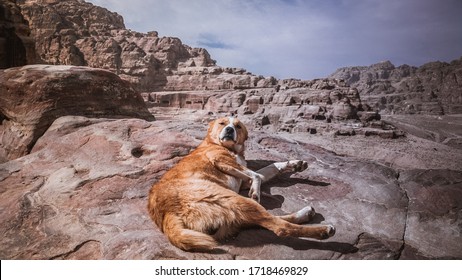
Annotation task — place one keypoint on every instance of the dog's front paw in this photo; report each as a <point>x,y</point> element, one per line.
<point>295,166</point>
<point>254,194</point>
<point>304,215</point>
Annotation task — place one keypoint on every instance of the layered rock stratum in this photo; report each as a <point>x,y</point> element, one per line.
<point>434,88</point>
<point>80,147</point>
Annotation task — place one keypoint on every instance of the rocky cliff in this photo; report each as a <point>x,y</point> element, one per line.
<point>74,32</point>
<point>17,47</point>
<point>433,88</point>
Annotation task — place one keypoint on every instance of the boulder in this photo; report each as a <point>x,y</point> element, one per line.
<point>32,97</point>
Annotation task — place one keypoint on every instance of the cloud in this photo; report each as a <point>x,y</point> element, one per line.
<point>304,39</point>
<point>208,40</point>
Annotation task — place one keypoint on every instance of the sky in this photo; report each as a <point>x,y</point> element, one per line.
<point>304,39</point>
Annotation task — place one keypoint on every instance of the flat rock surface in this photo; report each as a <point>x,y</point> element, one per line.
<point>82,194</point>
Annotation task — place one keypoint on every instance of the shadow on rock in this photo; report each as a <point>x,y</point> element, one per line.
<point>260,237</point>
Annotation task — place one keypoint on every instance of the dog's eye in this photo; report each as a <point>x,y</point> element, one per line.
<point>238,126</point>
<point>221,123</point>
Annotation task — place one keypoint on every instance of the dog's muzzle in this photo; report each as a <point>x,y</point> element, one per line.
<point>228,133</point>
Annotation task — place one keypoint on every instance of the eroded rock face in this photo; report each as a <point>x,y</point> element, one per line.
<point>32,97</point>
<point>322,106</point>
<point>74,32</point>
<point>433,88</point>
<point>16,45</point>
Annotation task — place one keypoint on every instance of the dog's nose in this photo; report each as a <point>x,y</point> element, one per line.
<point>229,129</point>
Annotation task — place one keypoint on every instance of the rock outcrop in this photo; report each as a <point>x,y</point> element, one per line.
<point>434,88</point>
<point>323,106</point>
<point>16,46</point>
<point>32,97</point>
<point>74,32</point>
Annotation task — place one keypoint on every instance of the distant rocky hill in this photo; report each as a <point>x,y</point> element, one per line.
<point>433,88</point>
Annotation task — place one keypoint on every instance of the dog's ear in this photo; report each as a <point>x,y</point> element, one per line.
<point>211,124</point>
<point>246,133</point>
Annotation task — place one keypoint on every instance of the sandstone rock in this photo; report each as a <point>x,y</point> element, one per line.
<point>74,32</point>
<point>321,106</point>
<point>16,46</point>
<point>78,33</point>
<point>308,101</point>
<point>32,97</point>
<point>82,192</point>
<point>87,197</point>
<point>432,88</point>
<point>446,129</point>
<point>434,213</point>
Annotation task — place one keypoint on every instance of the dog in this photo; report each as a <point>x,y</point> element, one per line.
<point>197,202</point>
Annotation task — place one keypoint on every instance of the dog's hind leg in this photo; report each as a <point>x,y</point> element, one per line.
<point>255,214</point>
<point>186,239</point>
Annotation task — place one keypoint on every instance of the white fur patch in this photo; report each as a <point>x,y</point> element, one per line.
<point>231,124</point>
<point>240,160</point>
<point>234,184</point>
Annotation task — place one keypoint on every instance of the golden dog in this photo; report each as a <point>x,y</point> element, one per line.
<point>197,203</point>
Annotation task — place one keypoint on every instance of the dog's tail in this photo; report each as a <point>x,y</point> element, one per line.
<point>186,239</point>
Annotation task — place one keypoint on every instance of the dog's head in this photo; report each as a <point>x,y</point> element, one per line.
<point>228,132</point>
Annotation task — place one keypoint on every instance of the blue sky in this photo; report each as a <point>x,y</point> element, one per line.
<point>304,39</point>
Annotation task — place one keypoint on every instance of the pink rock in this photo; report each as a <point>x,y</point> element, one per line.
<point>33,96</point>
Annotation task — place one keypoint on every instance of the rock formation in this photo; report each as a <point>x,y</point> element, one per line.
<point>32,97</point>
<point>434,88</point>
<point>322,106</point>
<point>16,46</point>
<point>74,32</point>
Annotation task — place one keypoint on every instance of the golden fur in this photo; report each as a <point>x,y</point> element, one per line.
<point>196,202</point>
